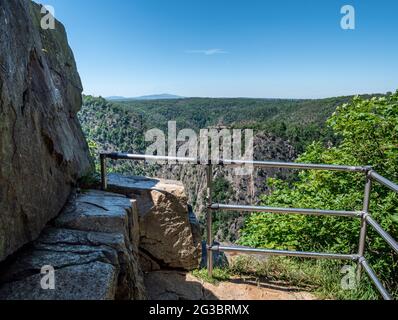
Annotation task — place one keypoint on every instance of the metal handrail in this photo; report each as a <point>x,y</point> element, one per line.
<point>387,183</point>
<point>256,164</point>
<point>388,238</point>
<point>364,215</point>
<point>298,254</point>
<point>310,212</point>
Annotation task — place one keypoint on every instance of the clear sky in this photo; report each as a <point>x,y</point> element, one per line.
<point>232,48</point>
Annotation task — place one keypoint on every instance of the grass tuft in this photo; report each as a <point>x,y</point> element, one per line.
<point>322,278</point>
<point>219,275</point>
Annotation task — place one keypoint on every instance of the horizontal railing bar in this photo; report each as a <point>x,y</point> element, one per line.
<point>383,181</point>
<point>258,164</point>
<point>313,212</point>
<point>137,157</point>
<point>286,253</point>
<point>388,238</point>
<point>375,280</point>
<point>293,165</point>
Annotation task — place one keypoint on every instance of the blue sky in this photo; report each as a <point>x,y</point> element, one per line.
<point>232,48</point>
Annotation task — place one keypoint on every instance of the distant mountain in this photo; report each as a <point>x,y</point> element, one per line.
<point>113,98</point>
<point>163,96</point>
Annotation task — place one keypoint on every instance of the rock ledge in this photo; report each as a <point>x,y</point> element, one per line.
<point>92,249</point>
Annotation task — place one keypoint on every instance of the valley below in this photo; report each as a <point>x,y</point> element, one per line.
<point>325,131</point>
<point>282,128</point>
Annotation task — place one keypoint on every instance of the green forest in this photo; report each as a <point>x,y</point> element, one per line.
<point>344,130</point>
<point>299,121</point>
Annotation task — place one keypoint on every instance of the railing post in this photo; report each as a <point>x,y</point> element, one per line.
<point>104,183</point>
<point>364,224</point>
<point>209,218</point>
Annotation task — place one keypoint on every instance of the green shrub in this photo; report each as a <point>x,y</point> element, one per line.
<point>369,136</point>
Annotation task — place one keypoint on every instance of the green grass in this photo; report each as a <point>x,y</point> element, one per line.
<point>219,275</point>
<point>320,277</point>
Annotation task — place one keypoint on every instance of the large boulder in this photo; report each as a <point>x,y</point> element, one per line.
<point>169,232</point>
<point>92,247</point>
<point>42,149</point>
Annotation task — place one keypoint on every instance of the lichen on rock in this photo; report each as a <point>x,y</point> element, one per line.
<point>42,148</point>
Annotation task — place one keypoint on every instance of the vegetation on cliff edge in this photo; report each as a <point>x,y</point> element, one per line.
<point>369,131</point>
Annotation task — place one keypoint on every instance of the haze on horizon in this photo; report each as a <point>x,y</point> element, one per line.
<point>253,49</point>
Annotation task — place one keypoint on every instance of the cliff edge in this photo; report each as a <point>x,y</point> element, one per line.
<point>42,148</point>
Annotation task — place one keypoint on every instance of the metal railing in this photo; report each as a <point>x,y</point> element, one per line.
<point>364,215</point>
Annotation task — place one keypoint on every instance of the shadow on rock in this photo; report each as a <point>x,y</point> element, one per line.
<point>173,285</point>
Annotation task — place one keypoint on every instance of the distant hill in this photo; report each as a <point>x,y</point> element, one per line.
<point>163,96</point>
<point>113,98</point>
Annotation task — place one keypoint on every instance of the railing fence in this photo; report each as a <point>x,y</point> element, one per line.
<point>364,215</point>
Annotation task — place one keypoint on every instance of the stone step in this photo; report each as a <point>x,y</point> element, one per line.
<point>90,245</point>
<point>170,236</point>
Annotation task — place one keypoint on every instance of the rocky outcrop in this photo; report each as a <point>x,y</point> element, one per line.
<point>169,234</point>
<point>96,240</point>
<point>102,241</point>
<point>92,247</point>
<point>42,148</point>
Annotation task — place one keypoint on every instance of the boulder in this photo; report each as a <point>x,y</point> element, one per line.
<point>92,249</point>
<point>169,233</point>
<point>80,282</point>
<point>42,148</point>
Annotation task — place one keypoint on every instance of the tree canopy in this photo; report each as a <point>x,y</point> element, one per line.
<point>369,131</point>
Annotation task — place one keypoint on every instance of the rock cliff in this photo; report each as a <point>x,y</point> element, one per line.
<point>102,242</point>
<point>97,243</point>
<point>93,249</point>
<point>42,148</point>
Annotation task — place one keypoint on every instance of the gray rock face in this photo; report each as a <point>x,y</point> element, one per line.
<point>86,284</point>
<point>168,232</point>
<point>42,148</point>
<point>92,248</point>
